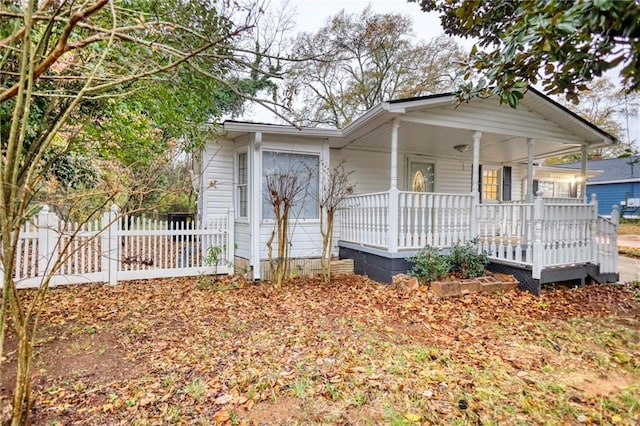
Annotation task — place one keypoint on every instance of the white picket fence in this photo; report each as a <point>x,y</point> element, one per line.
<point>119,248</point>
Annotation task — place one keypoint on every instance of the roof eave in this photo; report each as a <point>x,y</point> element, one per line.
<point>279,129</point>
<point>607,138</point>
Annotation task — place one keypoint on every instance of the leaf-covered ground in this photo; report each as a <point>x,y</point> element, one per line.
<point>352,352</point>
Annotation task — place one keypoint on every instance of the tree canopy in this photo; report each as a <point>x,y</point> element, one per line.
<point>355,61</point>
<point>561,44</point>
<point>139,102</point>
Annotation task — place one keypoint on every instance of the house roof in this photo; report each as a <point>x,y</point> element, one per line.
<point>531,89</point>
<point>434,124</point>
<point>614,170</point>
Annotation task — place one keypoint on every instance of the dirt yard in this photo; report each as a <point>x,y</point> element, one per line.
<point>353,352</point>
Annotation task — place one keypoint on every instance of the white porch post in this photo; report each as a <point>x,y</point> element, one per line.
<point>593,229</point>
<point>584,156</point>
<point>615,219</point>
<point>475,183</point>
<point>538,245</point>
<point>530,148</point>
<point>394,209</point>
<point>255,195</point>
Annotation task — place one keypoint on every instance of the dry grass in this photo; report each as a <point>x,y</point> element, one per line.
<point>629,252</point>
<point>629,226</point>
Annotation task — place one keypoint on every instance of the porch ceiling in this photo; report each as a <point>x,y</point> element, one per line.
<point>440,141</point>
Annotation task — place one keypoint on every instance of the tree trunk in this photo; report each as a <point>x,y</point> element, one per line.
<point>6,294</point>
<point>329,237</point>
<point>326,229</point>
<point>3,313</point>
<point>285,243</point>
<point>22,391</point>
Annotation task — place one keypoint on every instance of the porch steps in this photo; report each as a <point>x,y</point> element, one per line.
<point>580,274</point>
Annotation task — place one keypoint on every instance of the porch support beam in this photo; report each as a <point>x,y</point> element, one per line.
<point>529,196</point>
<point>255,206</point>
<point>394,154</point>
<point>475,179</point>
<point>475,183</point>
<point>584,156</point>
<point>394,208</point>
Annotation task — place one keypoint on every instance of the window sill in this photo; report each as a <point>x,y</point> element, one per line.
<point>298,221</point>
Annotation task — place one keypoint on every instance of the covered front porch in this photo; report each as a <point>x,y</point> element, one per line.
<point>553,239</point>
<point>432,144</point>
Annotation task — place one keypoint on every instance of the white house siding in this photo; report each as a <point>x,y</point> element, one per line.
<point>371,169</point>
<point>243,239</point>
<point>216,195</point>
<point>217,179</point>
<point>306,240</point>
<point>518,176</point>
<point>242,225</point>
<point>453,176</point>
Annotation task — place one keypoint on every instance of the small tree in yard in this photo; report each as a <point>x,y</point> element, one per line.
<point>59,61</point>
<point>284,190</point>
<point>336,188</point>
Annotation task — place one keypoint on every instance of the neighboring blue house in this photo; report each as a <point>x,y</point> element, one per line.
<point>618,184</point>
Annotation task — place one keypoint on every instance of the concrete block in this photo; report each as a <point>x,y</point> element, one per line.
<point>445,289</point>
<point>467,287</point>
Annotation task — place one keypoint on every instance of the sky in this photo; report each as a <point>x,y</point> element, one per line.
<point>310,15</point>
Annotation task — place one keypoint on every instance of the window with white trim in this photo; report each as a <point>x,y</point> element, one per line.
<point>490,184</point>
<point>306,166</point>
<point>242,181</point>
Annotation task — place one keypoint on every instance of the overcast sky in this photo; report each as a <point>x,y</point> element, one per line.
<point>312,14</point>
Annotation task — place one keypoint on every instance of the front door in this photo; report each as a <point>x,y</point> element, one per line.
<point>421,176</point>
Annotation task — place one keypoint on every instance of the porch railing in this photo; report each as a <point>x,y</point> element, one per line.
<point>365,219</point>
<point>539,235</point>
<point>607,242</point>
<point>505,231</point>
<point>563,200</point>
<point>438,220</point>
<point>567,234</point>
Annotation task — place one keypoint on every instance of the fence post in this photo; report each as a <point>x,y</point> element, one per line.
<point>615,216</point>
<point>538,246</point>
<point>110,246</point>
<point>47,241</point>
<point>231,217</point>
<point>593,229</point>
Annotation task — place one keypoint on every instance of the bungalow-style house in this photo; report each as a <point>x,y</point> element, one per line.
<point>427,171</point>
<point>617,183</point>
